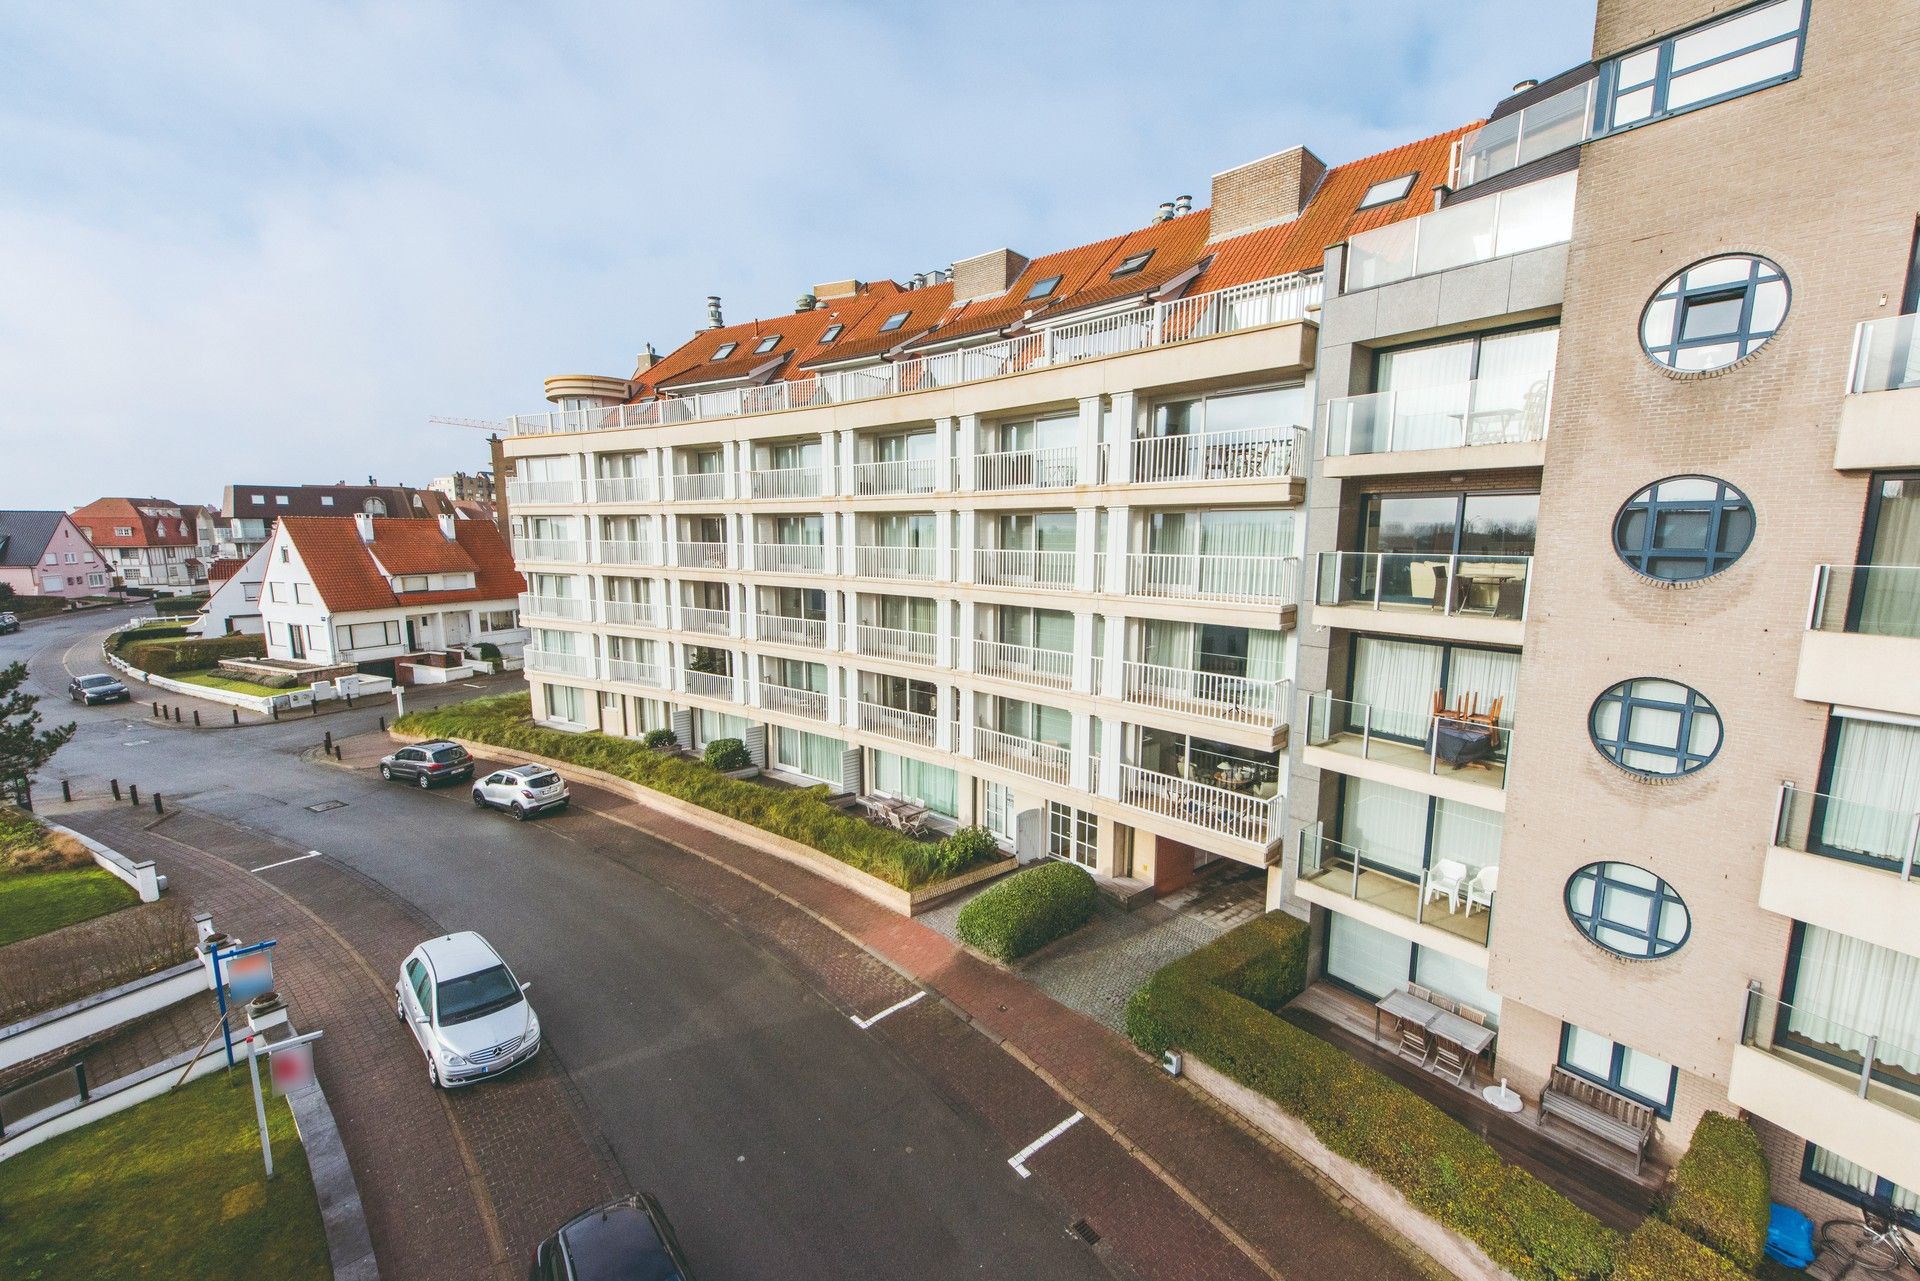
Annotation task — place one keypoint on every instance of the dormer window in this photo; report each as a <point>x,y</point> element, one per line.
<point>724,350</point>
<point>326,500</point>
<point>279,500</point>
<point>833,332</point>
<point>1130,264</point>
<point>257,499</point>
<point>894,321</point>
<point>767,344</point>
<point>1385,193</point>
<point>1042,288</point>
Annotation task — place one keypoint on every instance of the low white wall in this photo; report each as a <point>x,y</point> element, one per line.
<point>117,1096</point>
<point>53,1030</point>
<point>146,881</point>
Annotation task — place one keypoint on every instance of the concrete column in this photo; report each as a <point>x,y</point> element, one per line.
<point>969,540</point>
<point>830,540</point>
<point>945,432</point>
<point>1083,625</point>
<point>1088,440</point>
<point>1113,656</point>
<point>1112,734</point>
<point>946,629</point>
<point>967,447</point>
<point>747,611</point>
<point>965,745</point>
<point>943,543</point>
<point>1086,538</point>
<point>829,468</point>
<point>944,707</point>
<point>963,635</point>
<point>847,457</point>
<point>1079,762</point>
<point>1121,427</point>
<point>1119,540</point>
<point>749,539</point>
<point>676,667</point>
<point>838,633</point>
<point>746,678</point>
<point>730,478</point>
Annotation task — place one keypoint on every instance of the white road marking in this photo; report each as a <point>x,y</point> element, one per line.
<point>301,858</point>
<point>1018,1160</point>
<point>136,742</point>
<point>471,685</point>
<point>897,1006</point>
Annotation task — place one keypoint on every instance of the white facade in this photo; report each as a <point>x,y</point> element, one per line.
<point>234,606</point>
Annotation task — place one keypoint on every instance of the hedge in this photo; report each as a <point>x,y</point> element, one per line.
<point>152,631</point>
<point>1660,1252</point>
<point>1028,910</point>
<point>163,657</point>
<point>799,814</point>
<point>1722,1190</point>
<point>1217,1004</point>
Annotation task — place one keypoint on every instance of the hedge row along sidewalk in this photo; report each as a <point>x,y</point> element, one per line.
<point>798,814</point>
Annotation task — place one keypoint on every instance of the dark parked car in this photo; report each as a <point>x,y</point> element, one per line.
<point>428,763</point>
<point>98,689</point>
<point>626,1240</point>
<point>8,623</point>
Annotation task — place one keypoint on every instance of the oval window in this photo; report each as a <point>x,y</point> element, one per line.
<point>1715,313</point>
<point>1627,910</point>
<point>1683,528</point>
<point>1655,727</point>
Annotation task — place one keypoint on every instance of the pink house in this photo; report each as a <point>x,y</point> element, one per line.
<point>45,554</point>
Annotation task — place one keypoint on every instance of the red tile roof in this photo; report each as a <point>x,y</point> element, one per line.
<point>223,568</point>
<point>154,522</point>
<point>352,576</point>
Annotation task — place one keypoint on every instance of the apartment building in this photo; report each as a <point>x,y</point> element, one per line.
<point>1612,729</point>
<point>248,513</point>
<point>1019,541</point>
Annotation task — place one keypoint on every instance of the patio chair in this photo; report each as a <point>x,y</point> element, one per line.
<point>1445,879</point>
<point>1424,993</point>
<point>1414,1042</point>
<point>1450,1059</point>
<point>1481,888</point>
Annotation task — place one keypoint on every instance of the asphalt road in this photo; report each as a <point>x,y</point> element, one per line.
<point>786,1141</point>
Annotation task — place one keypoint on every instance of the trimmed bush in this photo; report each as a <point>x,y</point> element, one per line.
<point>727,755</point>
<point>799,814</point>
<point>661,740</point>
<point>973,845</point>
<point>164,657</point>
<point>1028,910</point>
<point>1660,1252</point>
<point>486,650</point>
<point>152,631</point>
<point>1218,1005</point>
<point>1722,1191</point>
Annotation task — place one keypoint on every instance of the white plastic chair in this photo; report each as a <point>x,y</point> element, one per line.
<point>1481,888</point>
<point>1444,879</point>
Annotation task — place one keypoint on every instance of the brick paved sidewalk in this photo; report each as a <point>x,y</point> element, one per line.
<point>1283,1219</point>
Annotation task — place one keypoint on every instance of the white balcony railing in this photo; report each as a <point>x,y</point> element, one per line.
<point>711,622</point>
<point>1014,567</point>
<point>552,663</point>
<point>1052,668</point>
<point>1250,453</point>
<point>1195,576</point>
<point>1886,355</point>
<point>699,485</point>
<point>896,562</point>
<point>554,549</point>
<point>1222,311</point>
<point>1240,700</point>
<point>786,482</point>
<point>790,558</point>
<point>623,489</point>
<point>542,491</point>
<point>896,476</point>
<point>798,702</point>
<point>1243,816</point>
<point>567,607</point>
<point>898,722</point>
<point>1054,468</point>
<point>611,551</point>
<point>1508,222</point>
<point>1041,760</point>
<point>1482,411</point>
<point>630,613</point>
<point>700,555</point>
<point>897,643</point>
<point>782,630</point>
<point>709,684</point>
<point>630,672</point>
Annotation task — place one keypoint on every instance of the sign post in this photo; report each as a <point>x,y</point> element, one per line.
<point>239,975</point>
<point>289,1062</point>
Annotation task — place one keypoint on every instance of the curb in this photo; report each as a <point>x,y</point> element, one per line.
<point>349,1244</point>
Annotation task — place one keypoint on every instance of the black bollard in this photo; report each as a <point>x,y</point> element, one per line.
<point>133,792</point>
<point>176,716</point>
<point>156,707</point>
<point>329,742</point>
<point>66,790</point>
<point>383,724</point>
<point>115,785</point>
<point>275,709</point>
<point>236,716</point>
<point>196,718</point>
<point>156,804</point>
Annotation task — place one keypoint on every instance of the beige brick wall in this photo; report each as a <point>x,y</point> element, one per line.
<point>986,274</point>
<point>1270,190</point>
<point>1625,23</point>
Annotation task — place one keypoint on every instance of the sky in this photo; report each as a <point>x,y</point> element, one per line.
<point>265,243</point>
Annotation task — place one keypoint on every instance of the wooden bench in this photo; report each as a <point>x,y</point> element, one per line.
<point>1607,1116</point>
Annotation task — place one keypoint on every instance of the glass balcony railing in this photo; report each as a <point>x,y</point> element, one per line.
<point>1449,894</point>
<point>1482,411</point>
<point>1880,1064</point>
<point>1495,226</point>
<point>1470,749</point>
<point>1872,600</point>
<point>1470,586</point>
<point>1550,125</point>
<point>1886,355</point>
<point>1837,827</point>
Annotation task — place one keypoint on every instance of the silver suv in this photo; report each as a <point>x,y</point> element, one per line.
<point>523,791</point>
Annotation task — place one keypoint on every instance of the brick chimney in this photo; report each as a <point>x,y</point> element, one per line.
<point>1264,193</point>
<point>985,275</point>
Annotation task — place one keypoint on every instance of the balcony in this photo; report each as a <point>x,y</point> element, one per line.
<point>897,643</point>
<point>699,486</point>
<point>897,476</point>
<point>1849,1089</point>
<point>561,550</point>
<point>700,555</point>
<point>1497,226</point>
<point>1481,423</point>
<point>1883,384</point>
<point>1438,903</point>
<point>1550,125</point>
<point>630,613</point>
<point>1045,761</point>
<point>1250,306</point>
<point>551,663</point>
<point>786,482</point>
<point>1860,648</point>
<point>1205,807</point>
<point>779,629</point>
<point>797,702</point>
<point>623,489</point>
<point>896,562</point>
<point>710,622</point>
<point>569,608</point>
<point>1845,865</point>
<point>1236,700</point>
<point>1049,668</point>
<point>898,722</point>
<point>790,558</point>
<point>1455,757</point>
<point>542,491</point>
<point>628,672</point>
<point>1471,598</point>
<point>1014,567</point>
<point>1254,580</point>
<point>1250,453</point>
<point>709,684</point>
<point>611,551</point>
<point>1055,468</point>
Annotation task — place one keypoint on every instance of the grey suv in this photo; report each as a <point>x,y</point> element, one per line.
<point>428,763</point>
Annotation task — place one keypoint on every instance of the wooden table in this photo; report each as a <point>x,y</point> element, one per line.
<point>1408,1008</point>
<point>1472,1037</point>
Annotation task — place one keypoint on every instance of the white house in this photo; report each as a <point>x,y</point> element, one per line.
<point>234,606</point>
<point>367,590</point>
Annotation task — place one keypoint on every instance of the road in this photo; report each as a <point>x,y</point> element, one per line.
<point>786,1141</point>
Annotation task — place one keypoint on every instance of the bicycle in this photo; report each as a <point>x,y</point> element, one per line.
<point>1875,1241</point>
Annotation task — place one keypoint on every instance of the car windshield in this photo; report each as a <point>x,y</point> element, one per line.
<point>97,680</point>
<point>475,995</point>
<point>544,779</point>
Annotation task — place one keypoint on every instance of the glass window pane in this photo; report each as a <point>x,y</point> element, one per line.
<point>1370,959</point>
<point>1588,1052</point>
<point>1735,73</point>
<point>1712,317</point>
<point>1646,1076</point>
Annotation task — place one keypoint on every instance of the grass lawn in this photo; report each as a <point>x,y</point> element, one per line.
<point>214,680</point>
<point>34,903</point>
<point>169,1188</point>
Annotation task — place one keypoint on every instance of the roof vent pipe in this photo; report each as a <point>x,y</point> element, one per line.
<point>1166,212</point>
<point>1182,205</point>
<point>804,302</point>
<point>1525,85</point>
<point>713,312</point>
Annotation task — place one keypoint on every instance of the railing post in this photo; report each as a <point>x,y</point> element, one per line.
<point>1780,812</point>
<point>1817,606</point>
<point>1866,1065</point>
<point>1393,399</point>
<point>1750,1025</point>
<point>1366,727</point>
<point>1913,849</point>
<point>1379,575</point>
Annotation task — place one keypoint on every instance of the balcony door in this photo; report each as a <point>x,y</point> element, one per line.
<point>1885,587</point>
<point>1869,799</point>
<point>1471,391</point>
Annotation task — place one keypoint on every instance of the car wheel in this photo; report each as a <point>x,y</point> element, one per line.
<point>425,782</point>
<point>386,773</point>
<point>479,801</point>
<point>520,811</point>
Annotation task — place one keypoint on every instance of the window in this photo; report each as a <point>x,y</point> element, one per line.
<point>371,635</point>
<point>1130,265</point>
<point>499,620</point>
<point>766,344</point>
<point>1627,910</point>
<point>277,592</point>
<point>1837,1176</point>
<point>565,703</point>
<point>1041,288</point>
<point>1385,193</point>
<point>326,500</point>
<point>894,322</point>
<point>279,500</point>
<point>285,557</point>
<point>258,500</point>
<point>1715,313</point>
<point>1655,728</point>
<point>1072,834</point>
<point>724,350</point>
<point>100,580</point>
<point>52,583</point>
<point>1623,1070</point>
<point>832,332</point>
<point>996,801</point>
<point>123,531</point>
<point>51,558</point>
<point>70,558</point>
<point>1708,64</point>
<point>412,583</point>
<point>1684,528</point>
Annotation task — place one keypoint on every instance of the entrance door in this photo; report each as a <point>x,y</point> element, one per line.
<point>297,640</point>
<point>1172,865</point>
<point>458,627</point>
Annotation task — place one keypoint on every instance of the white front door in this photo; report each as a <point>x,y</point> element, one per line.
<point>458,626</point>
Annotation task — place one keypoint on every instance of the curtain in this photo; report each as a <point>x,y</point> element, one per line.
<point>1054,531</point>
<point>711,725</point>
<point>1396,679</point>
<point>1874,788</point>
<point>1266,655</point>
<point>1843,1171</point>
<point>1467,835</point>
<point>1512,379</point>
<point>1165,642</point>
<point>1890,598</point>
<point>553,642</point>
<point>814,755</point>
<point>1386,825</point>
<point>1246,533</point>
<point>1461,980</point>
<point>1053,629</point>
<point>1372,960</point>
<point>1484,675</point>
<point>934,786</point>
<point>1428,400</point>
<point>1846,989</point>
<point>1247,411</point>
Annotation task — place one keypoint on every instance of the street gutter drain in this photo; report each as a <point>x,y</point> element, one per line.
<point>324,806</point>
<point>1084,1230</point>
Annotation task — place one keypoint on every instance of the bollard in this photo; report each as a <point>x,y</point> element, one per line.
<point>115,785</point>
<point>316,707</point>
<point>66,790</point>
<point>156,707</point>
<point>274,707</point>
<point>196,718</point>
<point>339,753</point>
<point>133,791</point>
<point>176,716</point>
<point>329,742</point>
<point>156,804</point>
<point>236,716</point>
<point>383,724</point>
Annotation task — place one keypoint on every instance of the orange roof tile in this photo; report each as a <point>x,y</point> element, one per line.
<point>348,572</point>
<point>155,522</point>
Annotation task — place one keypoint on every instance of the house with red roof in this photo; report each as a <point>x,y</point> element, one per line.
<point>367,590</point>
<point>146,542</point>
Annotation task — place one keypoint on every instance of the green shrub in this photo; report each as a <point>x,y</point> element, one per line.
<point>1028,910</point>
<point>660,739</point>
<point>164,657</point>
<point>1217,1003</point>
<point>1659,1252</point>
<point>971,845</point>
<point>152,631</point>
<point>486,650</point>
<point>799,814</point>
<point>1722,1191</point>
<point>727,755</point>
